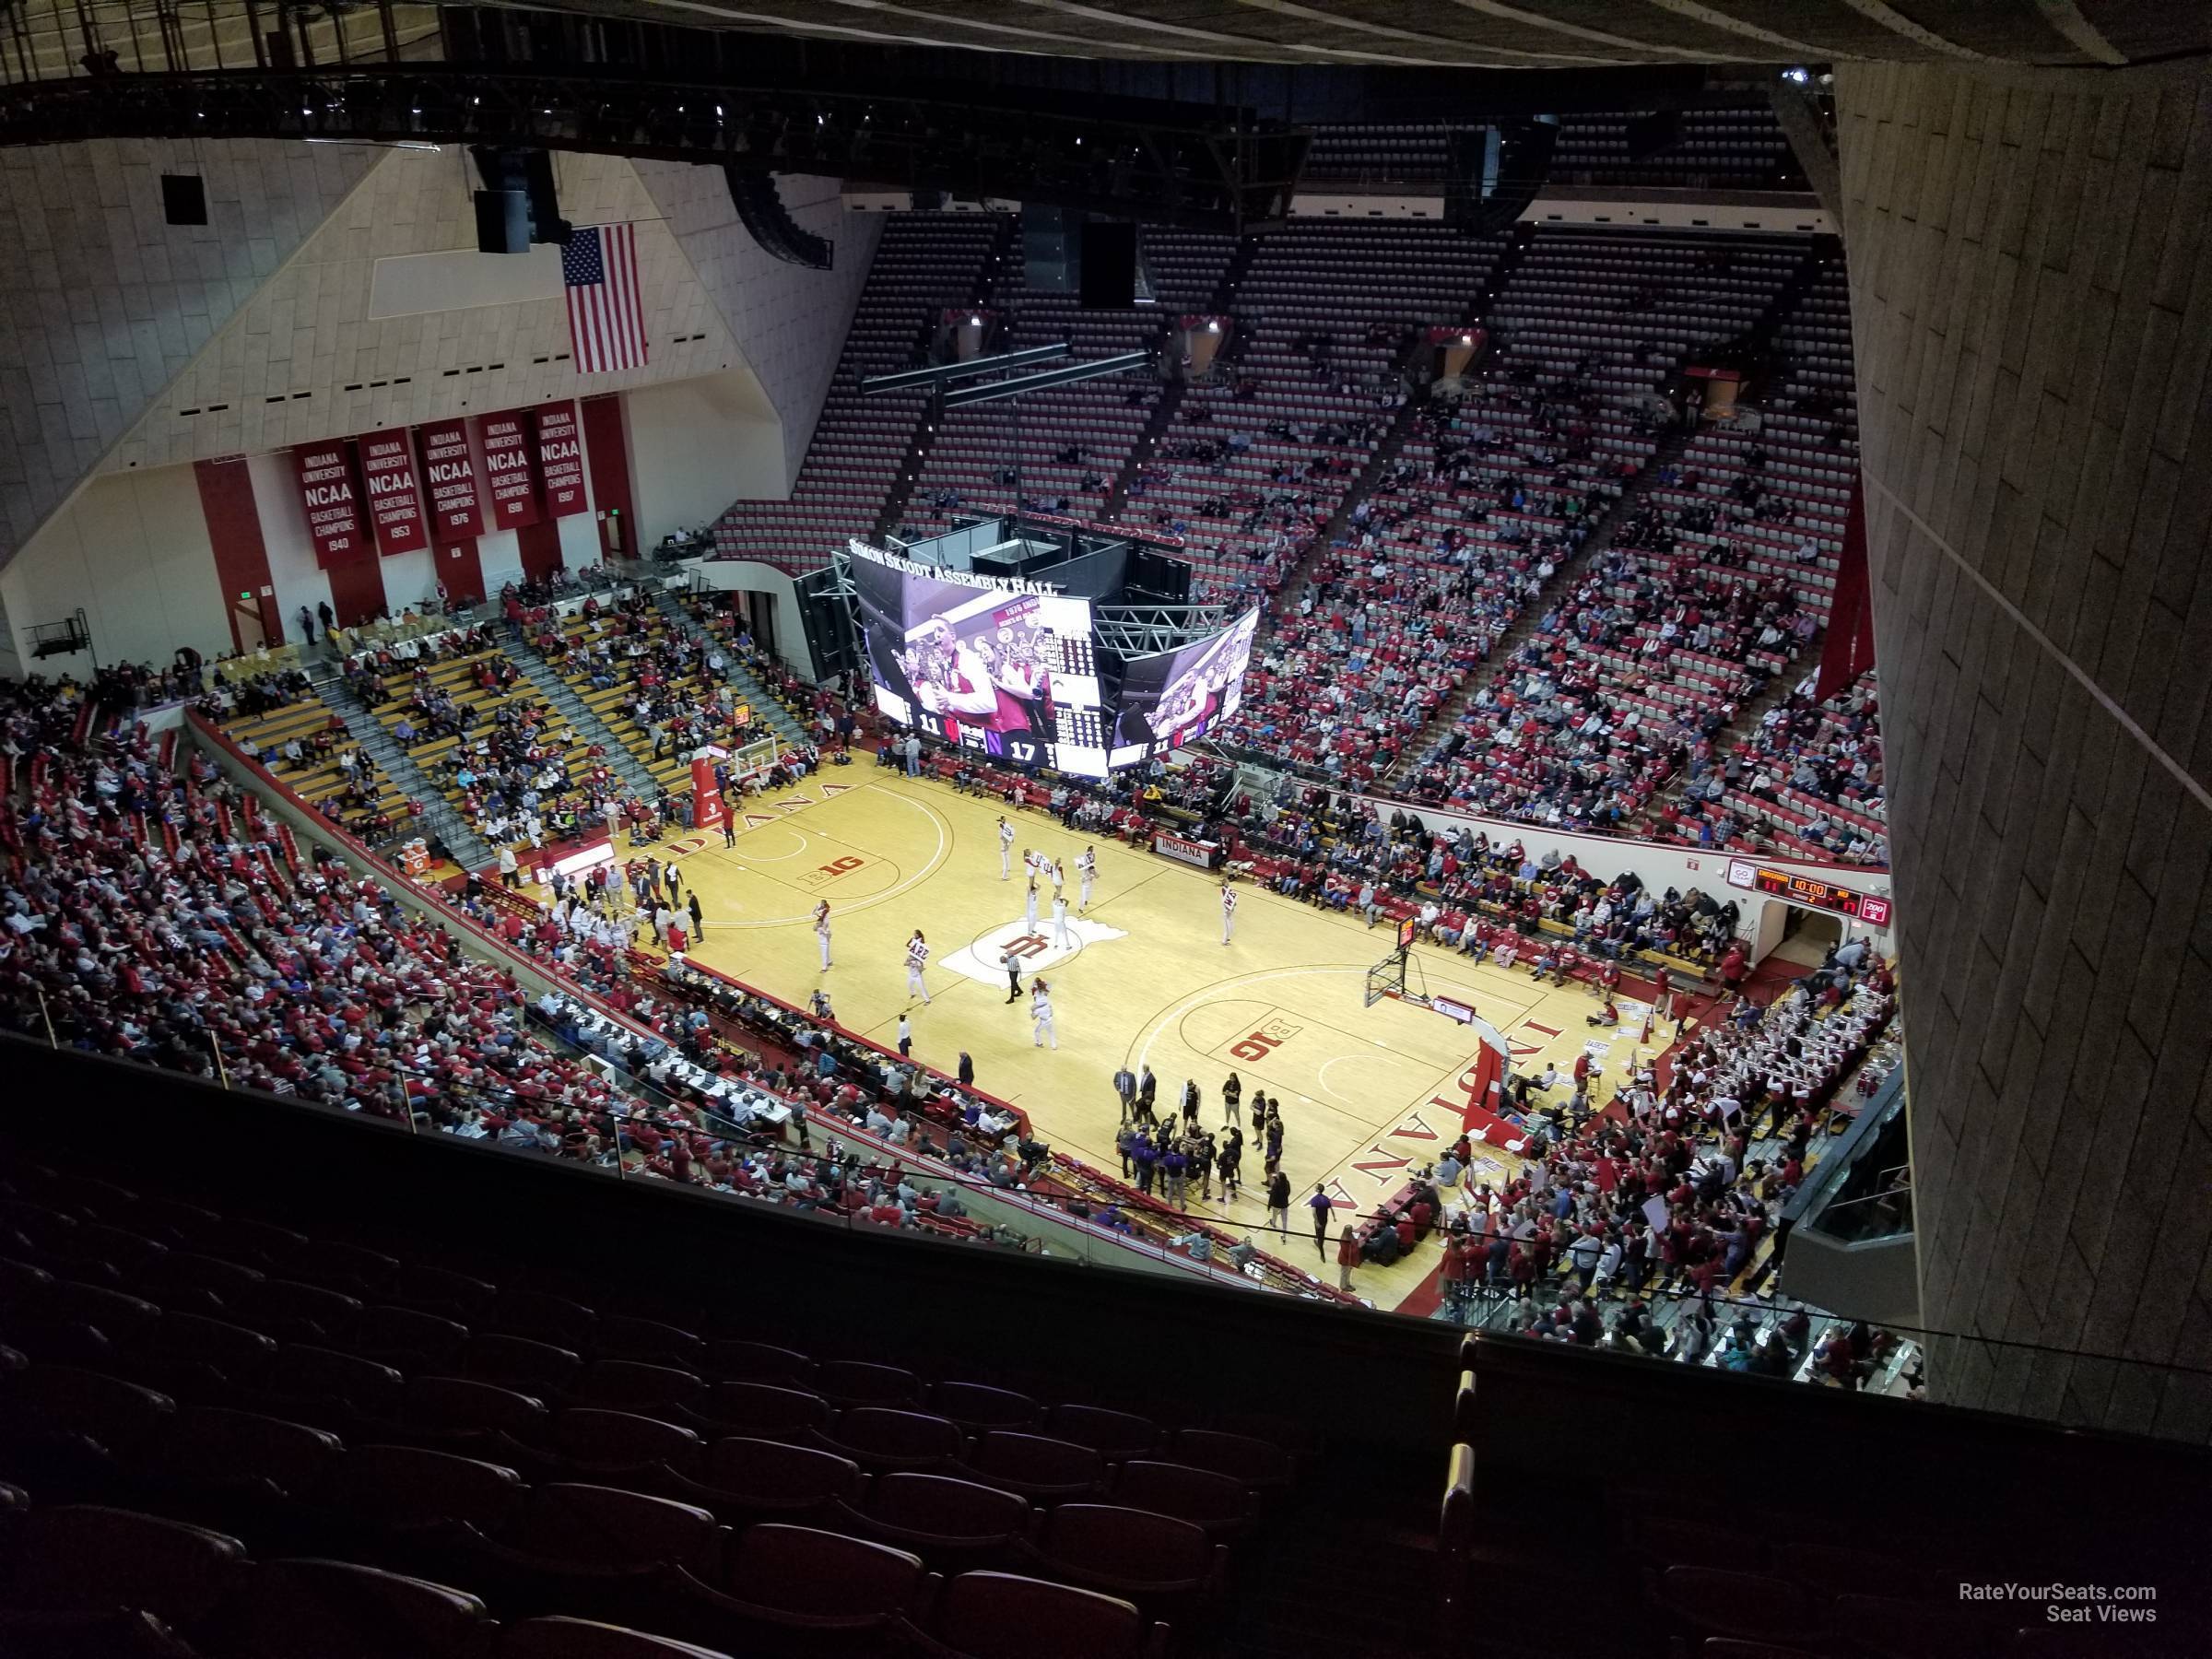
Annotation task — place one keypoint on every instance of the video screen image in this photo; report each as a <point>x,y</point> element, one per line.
<point>1010,674</point>
<point>1176,697</point>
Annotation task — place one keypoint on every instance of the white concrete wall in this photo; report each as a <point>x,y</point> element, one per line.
<point>697,446</point>
<point>745,575</point>
<point>132,549</point>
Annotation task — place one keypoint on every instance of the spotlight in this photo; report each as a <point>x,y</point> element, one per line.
<point>1797,75</point>
<point>1212,327</point>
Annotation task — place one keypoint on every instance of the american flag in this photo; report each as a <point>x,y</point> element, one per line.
<point>606,321</point>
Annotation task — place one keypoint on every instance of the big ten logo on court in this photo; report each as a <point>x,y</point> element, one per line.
<point>1259,1044</point>
<point>823,875</point>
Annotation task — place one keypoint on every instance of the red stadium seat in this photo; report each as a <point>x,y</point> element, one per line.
<point>1154,1561</point>
<point>1255,1462</point>
<point>1221,1503</point>
<point>562,1637</point>
<point>878,1438</point>
<point>338,1610</point>
<point>211,1449</point>
<point>635,1385</point>
<point>998,1616</point>
<point>538,1368</point>
<point>603,1445</point>
<point>398,1487</point>
<point>1746,1605</point>
<point>1115,1434</point>
<point>952,1524</point>
<point>553,1320</point>
<point>853,1383</point>
<point>437,1291</point>
<point>84,1559</point>
<point>618,1337</point>
<point>978,1408</point>
<point>408,1338</point>
<point>757,1408</point>
<point>746,1480</point>
<point>731,1361</point>
<point>293,1312</point>
<point>1036,1466</point>
<point>786,1583</point>
<point>339,1386</point>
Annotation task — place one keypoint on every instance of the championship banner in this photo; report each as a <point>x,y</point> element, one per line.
<point>334,511</point>
<point>707,809</point>
<point>560,458</point>
<point>1185,850</point>
<point>508,470</point>
<point>395,505</point>
<point>449,469</point>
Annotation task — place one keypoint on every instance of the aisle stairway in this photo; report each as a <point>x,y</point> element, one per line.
<point>468,849</point>
<point>766,706</point>
<point>583,720</point>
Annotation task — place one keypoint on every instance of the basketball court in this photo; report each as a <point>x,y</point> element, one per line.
<point>1368,1093</point>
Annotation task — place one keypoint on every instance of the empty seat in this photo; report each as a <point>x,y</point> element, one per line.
<point>999,1615</point>
<point>444,1292</point>
<point>1036,1465</point>
<point>83,1559</point>
<point>398,1487</point>
<point>1221,1503</point>
<point>294,1312</point>
<point>562,1637</point>
<point>878,1438</point>
<point>952,1524</point>
<point>608,1442</point>
<point>758,1408</point>
<point>618,1337</point>
<point>339,1610</point>
<point>978,1408</point>
<point>1129,1552</point>
<point>536,1368</point>
<point>1253,1462</point>
<point>463,1409</point>
<point>636,1385</point>
<point>551,1319</point>
<point>590,1550</point>
<point>212,1449</point>
<point>745,1480</point>
<point>409,1338</point>
<point>1748,1606</point>
<point>1114,1433</point>
<point>346,1385</point>
<point>798,1579</point>
<point>732,1361</point>
<point>855,1383</point>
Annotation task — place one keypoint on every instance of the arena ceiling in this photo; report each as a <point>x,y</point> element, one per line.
<point>1485,33</point>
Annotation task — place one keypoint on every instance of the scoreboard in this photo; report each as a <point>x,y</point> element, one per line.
<point>1870,908</point>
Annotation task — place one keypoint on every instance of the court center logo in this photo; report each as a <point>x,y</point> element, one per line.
<point>1039,950</point>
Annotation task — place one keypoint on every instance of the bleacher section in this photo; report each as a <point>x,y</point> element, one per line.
<point>925,262</point>
<point>1073,440</point>
<point>332,774</point>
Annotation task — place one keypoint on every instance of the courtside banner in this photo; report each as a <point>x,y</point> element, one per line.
<point>395,505</point>
<point>1201,854</point>
<point>448,468</point>
<point>560,458</point>
<point>508,470</point>
<point>334,510</point>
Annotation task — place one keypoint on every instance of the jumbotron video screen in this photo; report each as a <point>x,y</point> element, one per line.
<point>1008,669</point>
<point>1176,697</point>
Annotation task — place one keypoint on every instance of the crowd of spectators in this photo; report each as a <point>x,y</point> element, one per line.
<point>1722,1138</point>
<point>1808,781</point>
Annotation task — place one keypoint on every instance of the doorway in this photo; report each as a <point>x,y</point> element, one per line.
<point>1808,935</point>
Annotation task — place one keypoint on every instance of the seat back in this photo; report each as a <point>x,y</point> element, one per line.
<point>119,1415</point>
<point>733,1361</point>
<point>1036,1460</point>
<point>86,1559</point>
<point>621,1336</point>
<point>998,1616</point>
<point>880,1432</point>
<point>770,1471</point>
<point>560,1637</point>
<point>1134,1547</point>
<point>209,1445</point>
<point>305,1371</point>
<point>945,1508</point>
<point>800,1570</point>
<point>338,1610</point>
<point>520,1362</point>
<point>855,1382</point>
<point>1219,1502</point>
<point>1115,1434</point>
<point>408,1486</point>
<point>635,1385</point>
<point>976,1408</point>
<point>1253,1462</point>
<point>760,1406</point>
<point>461,1403</point>
<point>622,1439</point>
<point>601,1526</point>
<point>1714,1602</point>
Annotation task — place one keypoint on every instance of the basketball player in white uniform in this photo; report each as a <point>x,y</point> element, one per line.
<point>917,953</point>
<point>1229,913</point>
<point>1062,936</point>
<point>1086,873</point>
<point>1006,851</point>
<point>1041,1015</point>
<point>821,931</point>
<point>1029,904</point>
